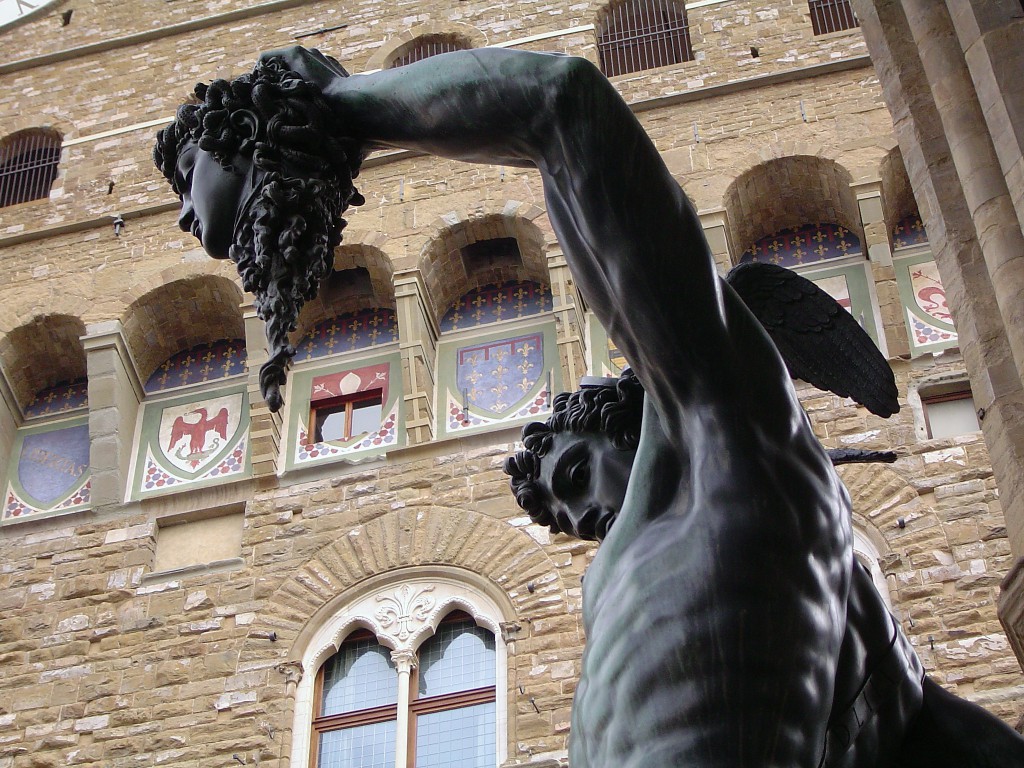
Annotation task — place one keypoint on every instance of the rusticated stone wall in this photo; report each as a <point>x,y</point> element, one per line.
<point>106,663</point>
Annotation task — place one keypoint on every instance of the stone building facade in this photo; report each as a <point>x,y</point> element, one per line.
<point>177,564</point>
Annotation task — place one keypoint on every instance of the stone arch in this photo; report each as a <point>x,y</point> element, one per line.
<point>880,497</point>
<point>394,46</point>
<point>897,193</point>
<point>338,296</point>
<point>42,352</point>
<point>788,191</point>
<point>161,321</point>
<point>503,558</point>
<point>444,272</point>
<point>499,559</point>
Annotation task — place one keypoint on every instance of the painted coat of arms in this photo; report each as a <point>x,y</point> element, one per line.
<point>192,436</point>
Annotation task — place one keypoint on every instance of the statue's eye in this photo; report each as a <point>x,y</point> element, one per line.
<point>579,474</point>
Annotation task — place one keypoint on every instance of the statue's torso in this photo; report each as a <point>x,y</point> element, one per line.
<point>714,617</point>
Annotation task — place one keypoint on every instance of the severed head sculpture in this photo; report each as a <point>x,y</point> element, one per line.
<point>264,175</point>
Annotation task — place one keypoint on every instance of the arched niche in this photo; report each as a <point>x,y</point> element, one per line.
<point>41,354</point>
<point>162,322</point>
<point>453,262</point>
<point>789,192</point>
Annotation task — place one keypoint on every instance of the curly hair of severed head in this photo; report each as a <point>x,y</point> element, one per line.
<point>614,410</point>
<point>302,183</point>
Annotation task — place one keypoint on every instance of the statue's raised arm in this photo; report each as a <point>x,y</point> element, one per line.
<point>630,235</point>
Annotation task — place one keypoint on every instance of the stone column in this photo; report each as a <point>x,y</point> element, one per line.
<point>877,246</point>
<point>961,197</point>
<point>715,222</point>
<point>569,322</point>
<point>972,150</point>
<point>405,661</point>
<point>417,338</point>
<point>991,34</point>
<point>115,394</point>
<point>264,426</point>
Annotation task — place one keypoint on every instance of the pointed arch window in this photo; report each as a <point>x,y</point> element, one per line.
<point>28,165</point>
<point>412,672</point>
<point>434,708</point>
<point>643,34</point>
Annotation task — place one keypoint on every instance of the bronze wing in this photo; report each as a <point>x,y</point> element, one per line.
<point>820,341</point>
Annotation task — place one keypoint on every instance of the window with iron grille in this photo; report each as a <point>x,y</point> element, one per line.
<point>643,34</point>
<point>832,16</point>
<point>28,165</point>
<point>426,46</point>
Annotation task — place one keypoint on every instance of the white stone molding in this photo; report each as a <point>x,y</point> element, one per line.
<point>402,613</point>
<point>867,553</point>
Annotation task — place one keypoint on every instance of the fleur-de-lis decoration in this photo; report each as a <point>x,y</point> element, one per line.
<point>404,609</point>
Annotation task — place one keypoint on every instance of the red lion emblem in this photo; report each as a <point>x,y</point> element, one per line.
<point>196,431</point>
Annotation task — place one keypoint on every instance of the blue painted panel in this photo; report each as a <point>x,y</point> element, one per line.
<point>496,376</point>
<point>52,463</point>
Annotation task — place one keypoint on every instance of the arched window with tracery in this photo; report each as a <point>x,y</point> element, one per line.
<point>28,165</point>
<point>425,46</point>
<point>412,676</point>
<point>447,708</point>
<point>643,34</point>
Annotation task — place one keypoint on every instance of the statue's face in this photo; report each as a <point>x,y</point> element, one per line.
<point>212,197</point>
<point>585,478</point>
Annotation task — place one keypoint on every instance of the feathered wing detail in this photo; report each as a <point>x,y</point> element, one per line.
<point>820,341</point>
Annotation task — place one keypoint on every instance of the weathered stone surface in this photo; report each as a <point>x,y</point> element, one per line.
<point>104,668</point>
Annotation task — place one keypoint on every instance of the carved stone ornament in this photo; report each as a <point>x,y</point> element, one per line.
<point>405,610</point>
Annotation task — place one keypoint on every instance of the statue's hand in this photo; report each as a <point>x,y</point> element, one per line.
<point>311,65</point>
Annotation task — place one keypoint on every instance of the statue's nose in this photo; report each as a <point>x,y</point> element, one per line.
<point>187,216</point>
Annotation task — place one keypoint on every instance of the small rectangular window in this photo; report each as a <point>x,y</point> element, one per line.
<point>950,414</point>
<point>342,418</point>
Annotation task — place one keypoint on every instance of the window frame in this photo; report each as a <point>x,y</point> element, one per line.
<point>620,49</point>
<point>487,606</point>
<point>829,16</point>
<point>30,161</point>
<point>349,401</point>
<point>422,47</point>
<point>414,705</point>
<point>963,392</point>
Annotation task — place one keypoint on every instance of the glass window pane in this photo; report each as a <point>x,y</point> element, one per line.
<point>365,746</point>
<point>950,418</point>
<point>366,416</point>
<point>359,676</point>
<point>457,738</point>
<point>330,424</point>
<point>459,657</point>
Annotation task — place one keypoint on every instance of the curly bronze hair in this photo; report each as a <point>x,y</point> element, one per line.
<point>616,411</point>
<point>284,240</point>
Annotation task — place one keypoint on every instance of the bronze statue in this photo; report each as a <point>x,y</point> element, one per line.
<point>726,622</point>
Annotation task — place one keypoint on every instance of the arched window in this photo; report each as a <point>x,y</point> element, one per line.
<point>447,708</point>
<point>406,677</point>
<point>28,165</point>
<point>832,16</point>
<point>425,46</point>
<point>643,34</point>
